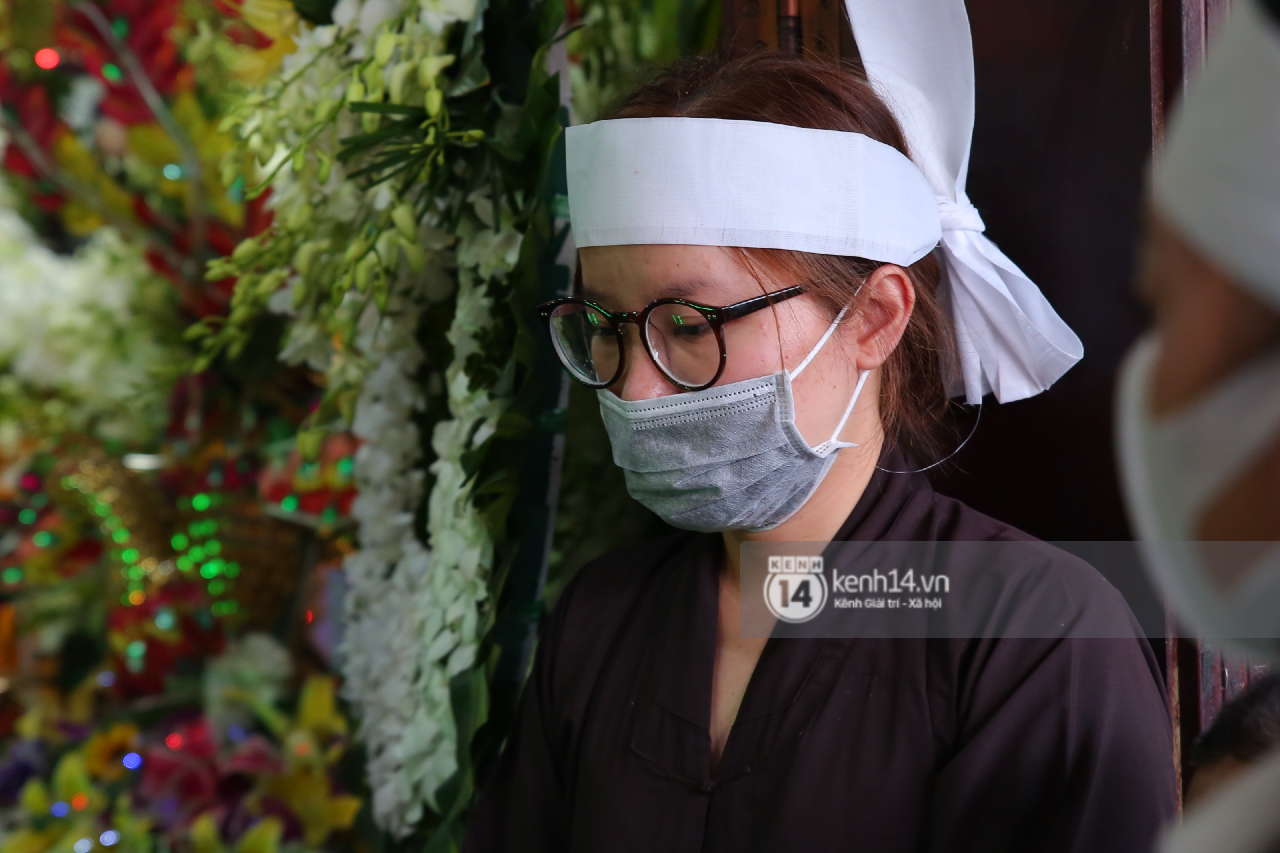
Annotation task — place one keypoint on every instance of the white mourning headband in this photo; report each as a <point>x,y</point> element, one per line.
<point>713,182</point>
<point>1218,177</point>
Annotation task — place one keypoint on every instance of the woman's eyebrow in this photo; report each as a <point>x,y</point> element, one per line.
<point>682,289</point>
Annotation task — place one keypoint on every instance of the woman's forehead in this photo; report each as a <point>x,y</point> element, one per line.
<point>632,276</point>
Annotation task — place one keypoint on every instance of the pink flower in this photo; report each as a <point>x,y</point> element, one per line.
<point>254,756</point>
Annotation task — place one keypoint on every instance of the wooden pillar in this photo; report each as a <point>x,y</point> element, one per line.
<point>1200,679</point>
<point>816,28</point>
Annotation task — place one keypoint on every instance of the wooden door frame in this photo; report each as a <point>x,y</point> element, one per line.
<point>1199,680</point>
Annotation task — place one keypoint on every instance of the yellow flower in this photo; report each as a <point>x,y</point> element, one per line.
<point>103,752</point>
<point>29,724</point>
<point>275,19</point>
<point>301,749</point>
<point>306,791</point>
<point>278,21</point>
<point>70,777</point>
<point>79,162</point>
<point>262,837</point>
<point>134,829</point>
<point>71,785</point>
<point>31,840</point>
<point>34,798</point>
<point>317,710</point>
<point>204,835</point>
<point>255,66</point>
<point>80,218</point>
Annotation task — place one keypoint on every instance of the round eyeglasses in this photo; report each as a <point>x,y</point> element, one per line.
<point>683,339</point>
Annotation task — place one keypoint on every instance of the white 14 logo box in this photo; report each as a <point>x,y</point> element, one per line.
<point>795,589</point>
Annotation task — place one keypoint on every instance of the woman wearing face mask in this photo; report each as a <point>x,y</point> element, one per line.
<point>761,312</point>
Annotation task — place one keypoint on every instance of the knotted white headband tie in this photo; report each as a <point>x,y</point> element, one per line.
<point>714,182</point>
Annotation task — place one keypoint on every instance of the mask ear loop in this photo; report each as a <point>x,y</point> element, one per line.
<point>974,429</point>
<point>826,336</point>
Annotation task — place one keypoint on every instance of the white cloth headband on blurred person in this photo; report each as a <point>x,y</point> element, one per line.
<point>1217,180</point>
<point>712,182</point>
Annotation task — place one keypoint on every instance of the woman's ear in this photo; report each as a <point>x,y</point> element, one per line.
<point>884,314</point>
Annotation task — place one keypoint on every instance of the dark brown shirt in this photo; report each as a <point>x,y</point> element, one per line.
<point>839,745</point>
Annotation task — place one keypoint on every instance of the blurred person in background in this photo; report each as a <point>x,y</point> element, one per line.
<point>1245,730</point>
<point>1199,395</point>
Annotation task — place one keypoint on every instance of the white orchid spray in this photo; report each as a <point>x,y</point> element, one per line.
<point>401,189</point>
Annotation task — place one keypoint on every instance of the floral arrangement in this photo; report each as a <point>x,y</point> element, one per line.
<point>136,531</point>
<point>240,774</point>
<point>364,189</point>
<point>110,117</point>
<point>407,186</point>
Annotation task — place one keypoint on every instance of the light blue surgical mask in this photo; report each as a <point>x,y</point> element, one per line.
<point>729,457</point>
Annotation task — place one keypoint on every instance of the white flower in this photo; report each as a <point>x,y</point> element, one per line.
<point>367,16</point>
<point>438,14</point>
<point>252,668</point>
<point>79,106</point>
<point>72,327</point>
<point>491,252</point>
<point>307,343</point>
<point>413,614</point>
<point>344,12</point>
<point>375,12</point>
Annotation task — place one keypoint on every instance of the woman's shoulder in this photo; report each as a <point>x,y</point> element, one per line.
<point>1037,579</point>
<point>603,600</point>
<point>1054,638</point>
<point>609,585</point>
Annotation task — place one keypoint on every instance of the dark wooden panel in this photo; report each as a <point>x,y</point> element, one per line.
<point>743,24</point>
<point>1060,149</point>
<point>811,26</point>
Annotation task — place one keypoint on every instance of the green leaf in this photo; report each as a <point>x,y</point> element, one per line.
<point>472,74</point>
<point>385,109</point>
<point>353,145</point>
<point>560,206</point>
<point>318,12</point>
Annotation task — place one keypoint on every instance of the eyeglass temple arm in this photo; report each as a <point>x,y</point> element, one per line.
<point>750,306</point>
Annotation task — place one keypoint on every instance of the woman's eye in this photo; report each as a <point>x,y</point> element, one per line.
<point>682,328</point>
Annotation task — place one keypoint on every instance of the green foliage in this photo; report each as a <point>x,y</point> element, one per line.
<point>316,11</point>
<point>619,41</point>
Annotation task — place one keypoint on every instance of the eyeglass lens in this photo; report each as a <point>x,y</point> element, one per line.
<point>683,344</point>
<point>588,344</point>
<point>679,339</point>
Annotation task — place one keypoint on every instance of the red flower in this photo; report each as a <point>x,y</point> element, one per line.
<point>180,778</point>
<point>254,756</point>
<point>31,108</point>
<point>145,27</point>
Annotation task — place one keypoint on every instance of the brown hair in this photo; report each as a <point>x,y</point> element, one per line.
<point>788,89</point>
